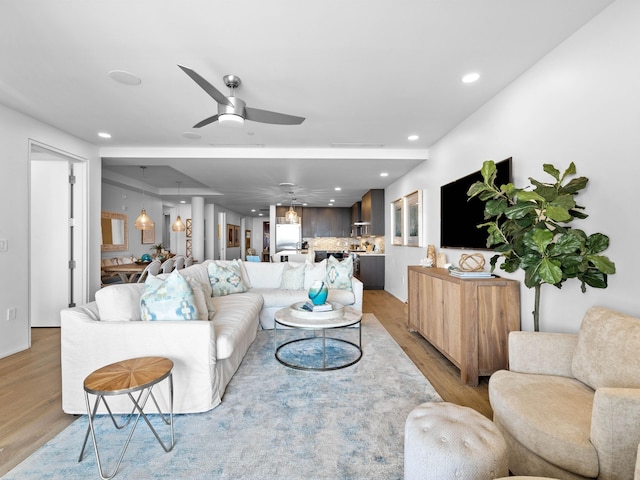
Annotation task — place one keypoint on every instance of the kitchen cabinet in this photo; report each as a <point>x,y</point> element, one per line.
<point>468,320</point>
<point>326,222</point>
<point>372,212</point>
<point>371,271</point>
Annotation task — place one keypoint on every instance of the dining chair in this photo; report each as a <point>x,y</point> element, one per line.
<point>179,262</point>
<point>167,265</point>
<point>152,269</point>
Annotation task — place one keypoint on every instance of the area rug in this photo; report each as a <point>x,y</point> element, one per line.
<point>274,422</point>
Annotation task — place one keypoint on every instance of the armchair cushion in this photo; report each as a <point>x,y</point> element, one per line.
<point>610,363</point>
<point>551,415</point>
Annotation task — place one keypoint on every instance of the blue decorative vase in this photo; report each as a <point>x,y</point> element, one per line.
<point>318,292</point>
<point>146,257</point>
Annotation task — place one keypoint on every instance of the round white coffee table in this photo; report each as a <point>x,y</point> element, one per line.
<point>340,318</point>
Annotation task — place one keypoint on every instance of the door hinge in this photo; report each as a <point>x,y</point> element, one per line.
<point>72,264</point>
<point>72,179</point>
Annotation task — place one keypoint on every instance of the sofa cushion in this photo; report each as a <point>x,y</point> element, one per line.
<point>276,297</point>
<point>314,272</point>
<point>292,277</point>
<point>234,315</point>
<point>607,351</point>
<point>339,273</point>
<point>119,303</point>
<point>170,299</point>
<point>265,274</point>
<point>549,415</point>
<point>226,278</point>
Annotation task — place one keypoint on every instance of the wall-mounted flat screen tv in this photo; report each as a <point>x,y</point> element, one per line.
<point>459,218</point>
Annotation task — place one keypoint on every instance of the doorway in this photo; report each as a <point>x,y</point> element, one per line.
<point>58,252</point>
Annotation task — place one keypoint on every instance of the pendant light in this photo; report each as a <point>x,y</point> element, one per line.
<point>143,222</point>
<point>291,216</point>
<point>178,225</point>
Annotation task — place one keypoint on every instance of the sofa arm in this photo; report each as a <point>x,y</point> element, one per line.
<point>615,430</point>
<point>541,352</point>
<point>87,345</point>
<point>357,287</point>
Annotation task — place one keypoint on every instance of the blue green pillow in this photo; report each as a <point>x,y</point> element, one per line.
<point>226,278</point>
<point>339,273</point>
<point>170,299</point>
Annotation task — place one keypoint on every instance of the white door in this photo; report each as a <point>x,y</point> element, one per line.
<point>57,266</point>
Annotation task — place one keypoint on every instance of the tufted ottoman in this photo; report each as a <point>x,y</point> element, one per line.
<point>447,441</point>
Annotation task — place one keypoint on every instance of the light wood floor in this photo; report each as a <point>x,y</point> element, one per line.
<point>30,396</point>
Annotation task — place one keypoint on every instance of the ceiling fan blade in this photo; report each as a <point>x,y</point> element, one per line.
<point>206,121</point>
<point>216,94</point>
<point>265,116</point>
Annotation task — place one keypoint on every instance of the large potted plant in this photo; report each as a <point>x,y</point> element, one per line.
<point>529,228</point>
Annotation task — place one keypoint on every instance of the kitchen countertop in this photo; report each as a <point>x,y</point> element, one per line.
<point>371,254</point>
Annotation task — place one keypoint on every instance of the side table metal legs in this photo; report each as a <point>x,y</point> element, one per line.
<point>137,412</point>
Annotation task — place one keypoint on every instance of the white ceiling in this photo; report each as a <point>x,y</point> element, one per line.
<point>364,73</point>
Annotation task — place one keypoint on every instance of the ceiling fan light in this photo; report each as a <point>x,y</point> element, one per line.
<point>144,222</point>
<point>231,120</point>
<point>178,225</point>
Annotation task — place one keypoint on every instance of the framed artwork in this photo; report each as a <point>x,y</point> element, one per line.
<point>236,235</point>
<point>397,222</point>
<point>188,249</point>
<point>413,223</point>
<point>188,224</point>
<point>229,235</point>
<point>149,236</point>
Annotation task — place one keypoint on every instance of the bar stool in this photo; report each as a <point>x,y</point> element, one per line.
<point>136,375</point>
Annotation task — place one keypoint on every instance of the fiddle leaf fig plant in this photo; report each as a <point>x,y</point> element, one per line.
<point>529,228</point>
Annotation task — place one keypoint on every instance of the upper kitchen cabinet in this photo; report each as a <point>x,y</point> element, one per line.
<point>372,212</point>
<point>326,222</point>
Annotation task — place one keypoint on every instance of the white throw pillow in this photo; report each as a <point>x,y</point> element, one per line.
<point>265,274</point>
<point>202,297</point>
<point>314,272</point>
<point>119,303</point>
<point>170,299</point>
<point>292,277</point>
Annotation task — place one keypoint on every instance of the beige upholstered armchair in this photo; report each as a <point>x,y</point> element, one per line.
<point>569,407</point>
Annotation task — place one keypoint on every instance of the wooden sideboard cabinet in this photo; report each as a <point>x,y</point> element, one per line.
<point>468,320</point>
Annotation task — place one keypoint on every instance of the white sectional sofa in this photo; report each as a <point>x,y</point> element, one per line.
<point>205,354</point>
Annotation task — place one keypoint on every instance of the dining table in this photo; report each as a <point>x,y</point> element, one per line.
<point>128,272</point>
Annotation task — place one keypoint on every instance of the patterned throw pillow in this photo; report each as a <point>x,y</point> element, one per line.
<point>293,277</point>
<point>226,278</point>
<point>339,273</point>
<point>170,299</point>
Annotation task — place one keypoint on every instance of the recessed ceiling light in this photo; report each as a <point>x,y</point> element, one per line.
<point>332,200</point>
<point>260,214</point>
<point>253,209</point>
<point>126,78</point>
<point>192,135</point>
<point>330,204</point>
<point>304,204</point>
<point>183,201</point>
<point>279,204</point>
<point>413,138</point>
<point>287,184</point>
<point>384,174</point>
<point>104,135</point>
<point>337,189</point>
<point>470,77</point>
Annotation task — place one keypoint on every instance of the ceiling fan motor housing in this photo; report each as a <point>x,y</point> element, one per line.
<point>238,107</point>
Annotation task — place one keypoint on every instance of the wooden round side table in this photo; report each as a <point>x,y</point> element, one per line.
<point>136,375</point>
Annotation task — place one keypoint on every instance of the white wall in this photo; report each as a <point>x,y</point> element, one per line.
<point>580,103</point>
<point>15,131</point>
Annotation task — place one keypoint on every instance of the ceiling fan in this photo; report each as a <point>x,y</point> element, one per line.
<point>233,110</point>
